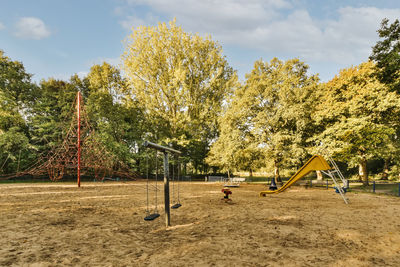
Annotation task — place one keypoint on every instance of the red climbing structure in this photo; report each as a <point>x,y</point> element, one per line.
<point>79,154</point>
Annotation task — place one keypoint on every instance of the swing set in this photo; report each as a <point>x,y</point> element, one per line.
<point>155,214</point>
<point>166,151</point>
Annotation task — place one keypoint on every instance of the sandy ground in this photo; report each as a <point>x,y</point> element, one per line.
<point>101,224</point>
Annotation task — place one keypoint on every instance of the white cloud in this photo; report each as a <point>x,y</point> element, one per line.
<point>212,16</point>
<point>134,21</point>
<point>31,28</point>
<point>2,27</point>
<point>275,27</point>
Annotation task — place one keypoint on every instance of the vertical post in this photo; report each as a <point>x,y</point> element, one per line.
<point>373,186</point>
<point>399,190</point>
<point>166,191</point>
<point>78,107</point>
<point>327,184</point>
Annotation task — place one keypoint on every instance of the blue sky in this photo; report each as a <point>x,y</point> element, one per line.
<point>57,38</point>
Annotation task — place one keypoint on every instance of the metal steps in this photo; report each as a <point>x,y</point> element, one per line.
<point>341,184</point>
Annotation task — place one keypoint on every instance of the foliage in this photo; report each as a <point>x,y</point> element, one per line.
<point>16,97</point>
<point>15,82</point>
<point>386,54</point>
<point>119,126</point>
<point>357,113</point>
<point>180,80</point>
<point>180,90</point>
<point>51,113</point>
<point>269,115</point>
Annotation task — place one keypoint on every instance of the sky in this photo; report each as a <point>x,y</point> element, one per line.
<point>59,38</point>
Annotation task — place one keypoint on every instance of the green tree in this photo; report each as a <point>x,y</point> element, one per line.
<point>236,147</point>
<point>13,136</point>
<point>282,96</point>
<point>17,93</point>
<point>180,80</point>
<point>357,113</point>
<point>386,54</point>
<point>271,113</point>
<point>52,113</point>
<point>119,126</point>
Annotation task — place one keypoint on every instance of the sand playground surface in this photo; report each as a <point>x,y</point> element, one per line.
<point>101,224</point>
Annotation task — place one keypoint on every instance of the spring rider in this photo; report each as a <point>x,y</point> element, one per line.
<point>227,192</point>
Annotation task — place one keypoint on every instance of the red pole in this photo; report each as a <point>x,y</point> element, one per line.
<point>78,107</point>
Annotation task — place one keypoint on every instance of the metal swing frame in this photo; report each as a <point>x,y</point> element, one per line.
<point>165,151</point>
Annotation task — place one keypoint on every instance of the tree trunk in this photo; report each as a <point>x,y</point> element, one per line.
<point>229,174</point>
<point>276,172</point>
<point>385,173</point>
<point>363,172</point>
<point>319,176</point>
<point>360,173</point>
<point>251,173</point>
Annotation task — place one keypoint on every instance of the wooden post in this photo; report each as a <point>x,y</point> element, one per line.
<point>166,191</point>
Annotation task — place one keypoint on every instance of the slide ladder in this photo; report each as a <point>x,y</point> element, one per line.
<point>336,177</point>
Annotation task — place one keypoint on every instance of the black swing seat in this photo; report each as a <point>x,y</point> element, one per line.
<point>175,206</point>
<point>151,217</point>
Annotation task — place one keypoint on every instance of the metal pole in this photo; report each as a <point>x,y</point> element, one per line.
<point>373,187</point>
<point>399,190</point>
<point>79,138</point>
<point>161,148</point>
<point>166,191</point>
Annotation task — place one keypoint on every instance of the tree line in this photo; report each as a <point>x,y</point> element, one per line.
<point>178,89</point>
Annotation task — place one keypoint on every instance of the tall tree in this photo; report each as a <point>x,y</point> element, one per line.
<point>52,113</point>
<point>283,100</point>
<point>357,113</point>
<point>386,54</point>
<point>14,138</point>
<point>180,80</point>
<point>272,113</point>
<point>17,94</point>
<point>236,147</point>
<point>119,126</point>
<point>16,83</point>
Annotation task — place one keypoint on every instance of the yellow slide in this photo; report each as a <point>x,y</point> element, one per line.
<point>316,163</point>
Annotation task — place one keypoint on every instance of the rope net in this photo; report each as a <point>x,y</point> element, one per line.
<point>62,160</point>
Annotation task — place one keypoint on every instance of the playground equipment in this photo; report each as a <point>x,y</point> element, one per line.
<point>155,214</point>
<point>79,154</point>
<point>316,163</point>
<point>165,150</point>
<point>178,202</point>
<point>226,192</point>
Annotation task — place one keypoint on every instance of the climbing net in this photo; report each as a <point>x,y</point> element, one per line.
<point>80,147</point>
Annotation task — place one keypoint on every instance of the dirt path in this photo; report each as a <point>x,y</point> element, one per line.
<point>102,225</point>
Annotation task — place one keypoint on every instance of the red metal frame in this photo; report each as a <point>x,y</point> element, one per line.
<point>78,111</point>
